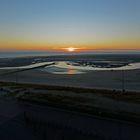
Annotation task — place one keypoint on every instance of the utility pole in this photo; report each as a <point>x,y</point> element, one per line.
<point>17,76</point>
<point>123,81</point>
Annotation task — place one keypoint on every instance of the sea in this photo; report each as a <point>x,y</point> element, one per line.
<point>12,54</point>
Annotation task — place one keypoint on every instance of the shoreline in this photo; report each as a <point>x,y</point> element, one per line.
<point>92,79</point>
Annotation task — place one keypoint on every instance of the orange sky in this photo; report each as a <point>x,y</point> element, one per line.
<point>57,24</point>
<point>19,44</point>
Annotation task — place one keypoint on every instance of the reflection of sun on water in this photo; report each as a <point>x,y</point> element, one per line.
<point>63,67</point>
<point>71,71</point>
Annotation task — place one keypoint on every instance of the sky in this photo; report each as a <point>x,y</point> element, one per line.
<point>59,24</point>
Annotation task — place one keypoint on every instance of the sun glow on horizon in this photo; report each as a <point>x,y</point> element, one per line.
<point>71,49</point>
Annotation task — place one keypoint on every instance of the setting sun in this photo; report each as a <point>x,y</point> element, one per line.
<point>71,49</point>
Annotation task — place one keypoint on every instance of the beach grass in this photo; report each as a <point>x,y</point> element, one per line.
<point>130,96</point>
<point>78,103</point>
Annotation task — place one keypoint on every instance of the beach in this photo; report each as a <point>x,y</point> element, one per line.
<point>49,95</point>
<point>107,79</point>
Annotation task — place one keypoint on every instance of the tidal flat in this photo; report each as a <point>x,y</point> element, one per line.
<point>128,79</point>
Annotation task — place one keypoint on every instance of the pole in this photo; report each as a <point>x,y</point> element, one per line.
<point>17,76</point>
<point>123,81</point>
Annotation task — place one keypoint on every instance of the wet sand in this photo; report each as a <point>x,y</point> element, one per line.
<point>93,79</point>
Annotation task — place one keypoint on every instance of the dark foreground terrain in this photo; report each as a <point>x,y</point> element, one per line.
<point>40,112</point>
